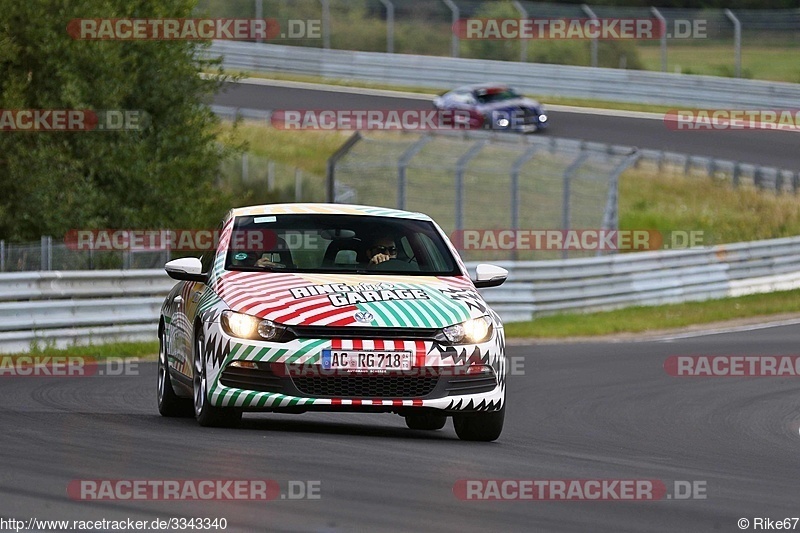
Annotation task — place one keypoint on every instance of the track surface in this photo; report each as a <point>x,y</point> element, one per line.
<point>579,411</point>
<point>762,147</point>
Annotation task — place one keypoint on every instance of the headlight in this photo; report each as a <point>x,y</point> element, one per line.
<point>502,122</point>
<point>472,331</point>
<point>542,118</point>
<point>250,327</point>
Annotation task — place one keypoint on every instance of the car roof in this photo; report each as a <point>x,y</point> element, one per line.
<point>330,209</point>
<point>478,86</point>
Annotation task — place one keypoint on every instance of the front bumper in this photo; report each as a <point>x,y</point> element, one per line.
<point>287,376</point>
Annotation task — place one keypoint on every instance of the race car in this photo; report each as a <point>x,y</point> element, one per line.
<point>492,106</point>
<point>329,307</point>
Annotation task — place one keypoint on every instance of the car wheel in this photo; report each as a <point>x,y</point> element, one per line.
<point>484,427</point>
<point>206,414</point>
<point>426,421</point>
<point>169,403</point>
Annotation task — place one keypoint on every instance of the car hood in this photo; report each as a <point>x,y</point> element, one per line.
<point>352,300</point>
<point>514,103</point>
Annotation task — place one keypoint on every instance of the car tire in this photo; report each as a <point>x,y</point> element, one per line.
<point>429,422</point>
<point>169,403</point>
<point>206,414</point>
<point>484,427</point>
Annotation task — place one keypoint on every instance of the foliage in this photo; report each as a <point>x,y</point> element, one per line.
<point>159,176</point>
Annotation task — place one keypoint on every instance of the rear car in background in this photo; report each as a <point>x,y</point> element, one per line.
<point>496,107</point>
<point>324,307</point>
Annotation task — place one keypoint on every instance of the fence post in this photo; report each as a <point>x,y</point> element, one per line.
<point>515,170</point>
<point>523,43</point>
<point>330,177</point>
<point>565,201</point>
<point>402,164</point>
<point>611,213</point>
<point>588,11</point>
<point>454,39</point>
<point>3,255</point>
<point>663,22</point>
<point>737,41</point>
<point>461,166</point>
<point>43,253</point>
<point>245,167</point>
<point>270,175</point>
<point>298,185</point>
<point>259,15</point>
<point>737,170</point>
<point>326,24</point>
<point>389,25</point>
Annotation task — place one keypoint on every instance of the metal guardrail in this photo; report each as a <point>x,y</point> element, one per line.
<point>534,78</point>
<point>646,278</point>
<point>67,307</point>
<point>81,307</point>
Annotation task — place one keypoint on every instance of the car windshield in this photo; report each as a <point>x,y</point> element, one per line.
<point>498,94</point>
<point>324,243</point>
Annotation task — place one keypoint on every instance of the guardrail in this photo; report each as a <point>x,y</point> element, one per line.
<point>535,78</point>
<point>63,308</point>
<point>81,307</point>
<point>646,278</point>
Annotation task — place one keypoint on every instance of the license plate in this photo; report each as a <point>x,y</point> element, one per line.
<point>361,360</point>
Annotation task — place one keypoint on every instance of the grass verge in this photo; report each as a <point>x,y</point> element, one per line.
<point>142,350</point>
<point>643,319</point>
<point>772,63</point>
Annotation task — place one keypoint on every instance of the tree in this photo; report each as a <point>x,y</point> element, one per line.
<point>160,176</point>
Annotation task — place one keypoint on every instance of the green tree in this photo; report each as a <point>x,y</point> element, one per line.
<point>160,176</point>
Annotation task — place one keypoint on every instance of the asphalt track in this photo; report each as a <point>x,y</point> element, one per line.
<point>762,147</point>
<point>578,411</point>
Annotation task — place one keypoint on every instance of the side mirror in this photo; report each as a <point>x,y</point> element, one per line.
<point>489,276</point>
<point>186,269</point>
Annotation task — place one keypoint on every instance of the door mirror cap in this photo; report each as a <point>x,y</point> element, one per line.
<point>186,269</point>
<point>489,276</point>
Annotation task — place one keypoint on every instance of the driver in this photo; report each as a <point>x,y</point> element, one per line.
<point>381,249</point>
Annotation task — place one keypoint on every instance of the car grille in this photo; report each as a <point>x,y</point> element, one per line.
<point>470,384</point>
<point>382,386</point>
<point>356,332</point>
<point>261,380</point>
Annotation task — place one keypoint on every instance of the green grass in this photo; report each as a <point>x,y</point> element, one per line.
<point>642,319</point>
<point>669,202</point>
<point>774,63</point>
<point>95,351</point>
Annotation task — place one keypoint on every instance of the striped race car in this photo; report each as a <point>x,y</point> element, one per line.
<point>328,307</point>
